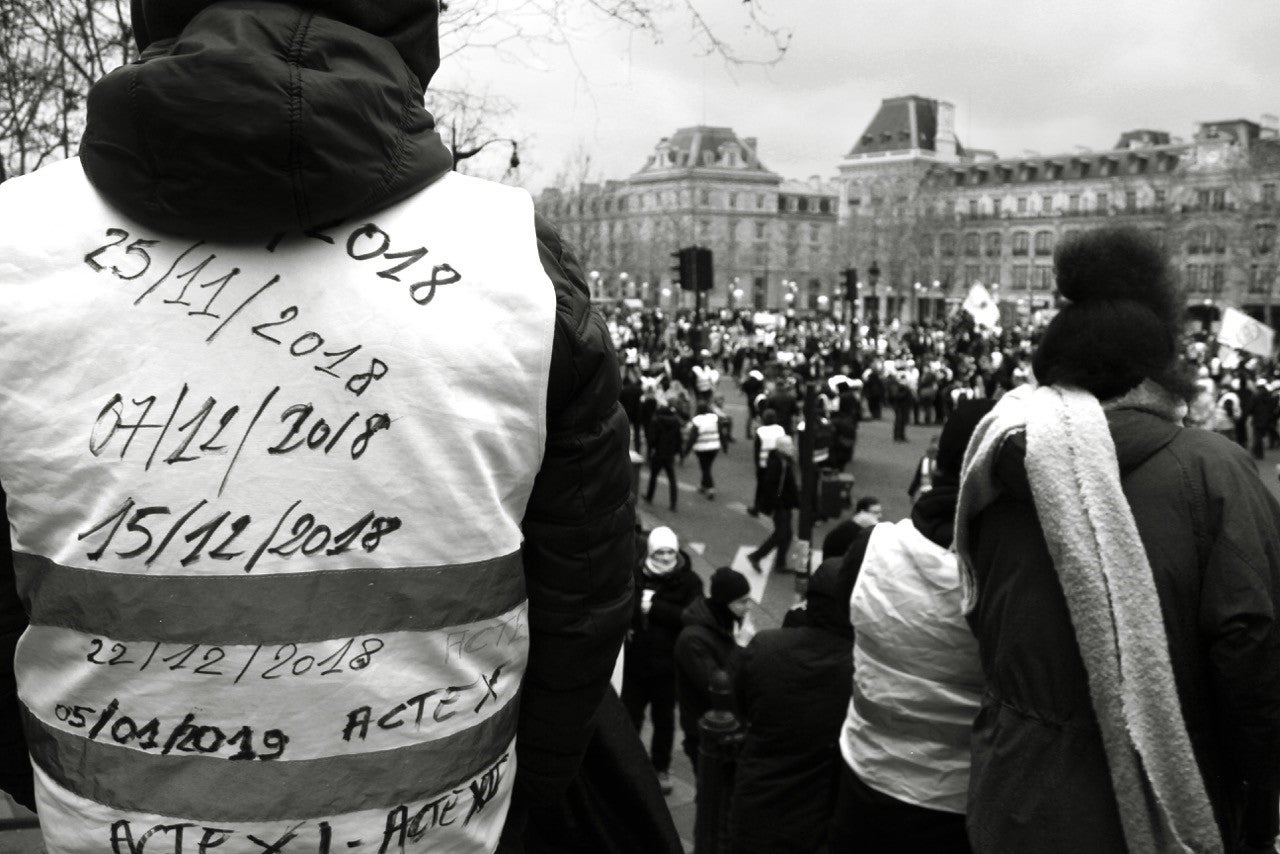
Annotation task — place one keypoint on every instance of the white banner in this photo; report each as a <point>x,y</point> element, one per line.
<point>1241,331</point>
<point>981,307</point>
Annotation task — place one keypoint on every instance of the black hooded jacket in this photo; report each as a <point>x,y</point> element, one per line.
<point>246,119</point>
<point>792,687</point>
<point>1211,532</point>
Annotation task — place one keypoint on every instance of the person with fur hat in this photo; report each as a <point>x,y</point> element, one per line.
<point>1122,578</point>
<point>917,681</point>
<point>714,628</point>
<point>792,689</point>
<point>665,586</point>
<point>264,176</point>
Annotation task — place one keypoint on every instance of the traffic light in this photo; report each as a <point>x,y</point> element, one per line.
<point>705,274</point>
<point>685,274</point>
<point>850,284</point>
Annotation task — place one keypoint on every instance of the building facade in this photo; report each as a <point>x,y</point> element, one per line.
<point>936,218</point>
<point>772,239</point>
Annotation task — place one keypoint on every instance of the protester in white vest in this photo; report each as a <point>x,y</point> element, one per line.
<point>317,482</point>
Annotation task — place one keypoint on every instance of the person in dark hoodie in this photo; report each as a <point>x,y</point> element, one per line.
<point>385,457</point>
<point>792,690</point>
<point>1124,588</point>
<point>916,677</point>
<point>714,628</point>
<point>665,586</point>
<point>666,440</point>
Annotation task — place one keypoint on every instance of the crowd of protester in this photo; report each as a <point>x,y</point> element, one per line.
<point>951,682</point>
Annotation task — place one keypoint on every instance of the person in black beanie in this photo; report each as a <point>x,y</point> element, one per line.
<point>1098,535</point>
<point>713,630</point>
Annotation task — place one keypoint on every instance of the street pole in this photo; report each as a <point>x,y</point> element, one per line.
<point>808,471</point>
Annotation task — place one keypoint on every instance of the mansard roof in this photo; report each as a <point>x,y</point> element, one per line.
<point>901,124</point>
<point>707,150</point>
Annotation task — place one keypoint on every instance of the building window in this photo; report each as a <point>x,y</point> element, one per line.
<point>1021,243</point>
<point>1218,201</point>
<point>993,273</point>
<point>1046,204</point>
<point>1219,281</point>
<point>1268,196</point>
<point>949,208</point>
<point>733,200</point>
<point>760,201</point>
<point>1104,202</point>
<point>1044,242</point>
<point>995,207</point>
<point>824,206</point>
<point>815,233</point>
<point>1022,204</point>
<point>1044,279</point>
<point>1195,277</point>
<point>1130,200</point>
<point>1073,203</point>
<point>971,244</point>
<point>972,273</point>
<point>993,244</point>
<point>1264,238</point>
<point>782,203</point>
<point>1021,279</point>
<point>947,245</point>
<point>924,245</point>
<point>973,207</point>
<point>760,227</point>
<point>802,204</point>
<point>1159,200</point>
<point>1262,278</point>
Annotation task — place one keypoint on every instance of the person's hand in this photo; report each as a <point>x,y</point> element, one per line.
<point>646,600</point>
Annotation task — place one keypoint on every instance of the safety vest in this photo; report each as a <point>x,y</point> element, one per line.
<point>706,432</point>
<point>265,503</point>
<point>917,678</point>
<point>768,434</point>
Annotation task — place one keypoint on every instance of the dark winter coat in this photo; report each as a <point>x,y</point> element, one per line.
<point>705,645</point>
<point>652,640</point>
<point>778,486</point>
<point>792,688</point>
<point>215,134</point>
<point>1039,777</point>
<point>666,434</point>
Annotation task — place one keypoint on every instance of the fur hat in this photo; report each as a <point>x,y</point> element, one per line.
<point>1122,323</point>
<point>728,585</point>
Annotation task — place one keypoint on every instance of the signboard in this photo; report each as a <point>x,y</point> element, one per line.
<point>981,307</point>
<point>1241,331</point>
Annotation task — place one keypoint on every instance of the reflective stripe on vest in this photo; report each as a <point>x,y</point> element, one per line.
<point>265,503</point>
<point>707,437</point>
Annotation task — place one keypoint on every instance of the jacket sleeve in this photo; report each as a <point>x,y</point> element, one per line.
<point>15,765</point>
<point>579,532</point>
<point>1240,598</point>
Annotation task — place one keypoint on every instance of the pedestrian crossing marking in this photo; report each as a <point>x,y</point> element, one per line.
<point>757,580</point>
<point>699,548</point>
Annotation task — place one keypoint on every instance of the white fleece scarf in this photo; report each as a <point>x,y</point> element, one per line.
<point>1111,595</point>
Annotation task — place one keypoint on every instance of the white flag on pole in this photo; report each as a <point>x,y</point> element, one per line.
<point>981,307</point>
<point>1241,331</point>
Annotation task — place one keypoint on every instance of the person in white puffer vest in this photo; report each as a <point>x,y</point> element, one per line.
<point>917,679</point>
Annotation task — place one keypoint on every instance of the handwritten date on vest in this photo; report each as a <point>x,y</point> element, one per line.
<point>278,661</point>
<point>368,242</point>
<point>407,827</point>
<point>188,736</point>
<point>133,261</point>
<point>215,538</point>
<point>207,429</point>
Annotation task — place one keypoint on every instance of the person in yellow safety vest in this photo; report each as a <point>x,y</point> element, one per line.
<point>704,441</point>
<point>317,482</point>
<point>767,436</point>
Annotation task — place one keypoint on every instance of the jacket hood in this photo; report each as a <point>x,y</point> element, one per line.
<point>1137,434</point>
<point>827,597</point>
<point>934,513</point>
<point>711,615</point>
<point>251,118</point>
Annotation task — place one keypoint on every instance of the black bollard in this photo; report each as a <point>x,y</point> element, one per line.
<point>720,737</point>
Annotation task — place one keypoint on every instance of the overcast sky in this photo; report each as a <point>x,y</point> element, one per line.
<point>1023,75</point>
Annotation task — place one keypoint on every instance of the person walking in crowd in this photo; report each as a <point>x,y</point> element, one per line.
<point>917,679</point>
<point>714,629</point>
<point>899,396</point>
<point>630,396</point>
<point>767,436</point>
<point>665,586</point>
<point>665,444</point>
<point>275,135</point>
<point>922,480</point>
<point>704,441</point>
<point>792,689</point>
<point>752,386</point>
<point>705,377</point>
<point>1123,579</point>
<point>874,388</point>
<point>779,495</point>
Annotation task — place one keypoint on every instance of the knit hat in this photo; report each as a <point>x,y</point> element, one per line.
<point>957,432</point>
<point>662,538</point>
<point>728,585</point>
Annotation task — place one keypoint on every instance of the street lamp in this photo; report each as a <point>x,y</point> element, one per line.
<point>594,276</point>
<point>873,279</point>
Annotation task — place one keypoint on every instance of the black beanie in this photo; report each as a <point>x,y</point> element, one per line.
<point>957,432</point>
<point>1122,320</point>
<point>728,585</point>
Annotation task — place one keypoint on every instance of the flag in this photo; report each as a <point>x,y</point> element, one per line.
<point>1241,331</point>
<point>981,307</point>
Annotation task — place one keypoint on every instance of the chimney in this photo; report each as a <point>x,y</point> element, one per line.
<point>944,141</point>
